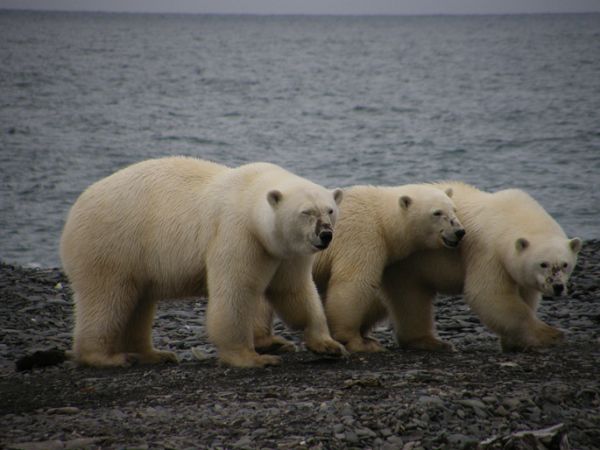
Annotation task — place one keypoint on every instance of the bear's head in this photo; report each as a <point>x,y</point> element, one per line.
<point>545,265</point>
<point>303,218</point>
<point>433,217</point>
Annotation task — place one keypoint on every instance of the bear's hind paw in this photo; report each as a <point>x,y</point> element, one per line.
<point>274,344</point>
<point>364,345</point>
<point>153,357</point>
<point>327,347</point>
<point>429,344</point>
<point>248,359</point>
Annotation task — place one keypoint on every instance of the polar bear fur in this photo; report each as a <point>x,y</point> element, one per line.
<point>179,227</point>
<point>378,226</point>
<point>512,254</point>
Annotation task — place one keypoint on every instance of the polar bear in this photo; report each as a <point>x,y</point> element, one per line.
<point>513,253</point>
<point>378,226</point>
<point>178,227</point>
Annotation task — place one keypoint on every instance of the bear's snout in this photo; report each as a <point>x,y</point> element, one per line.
<point>558,288</point>
<point>326,236</point>
<point>324,232</point>
<point>452,239</point>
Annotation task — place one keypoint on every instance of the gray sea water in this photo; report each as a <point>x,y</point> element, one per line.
<point>497,101</point>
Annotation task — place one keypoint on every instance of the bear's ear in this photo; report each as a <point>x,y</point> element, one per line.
<point>338,195</point>
<point>449,192</point>
<point>274,197</point>
<point>405,201</point>
<point>521,244</point>
<point>575,245</point>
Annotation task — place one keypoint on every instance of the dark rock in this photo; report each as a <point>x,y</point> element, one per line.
<point>41,358</point>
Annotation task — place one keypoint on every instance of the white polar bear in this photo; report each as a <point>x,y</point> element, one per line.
<point>179,227</point>
<point>512,254</point>
<point>378,226</point>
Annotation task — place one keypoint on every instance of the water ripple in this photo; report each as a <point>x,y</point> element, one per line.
<point>339,100</point>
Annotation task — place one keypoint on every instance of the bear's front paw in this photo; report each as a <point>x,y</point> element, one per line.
<point>327,347</point>
<point>542,336</point>
<point>548,336</point>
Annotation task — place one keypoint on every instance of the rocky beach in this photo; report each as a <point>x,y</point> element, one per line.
<point>477,397</point>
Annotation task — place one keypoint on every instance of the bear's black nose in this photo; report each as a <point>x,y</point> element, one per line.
<point>460,233</point>
<point>326,236</point>
<point>558,289</point>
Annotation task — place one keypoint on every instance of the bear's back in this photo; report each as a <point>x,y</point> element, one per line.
<point>524,214</point>
<point>134,211</point>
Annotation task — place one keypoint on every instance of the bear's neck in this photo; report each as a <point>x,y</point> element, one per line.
<point>396,229</point>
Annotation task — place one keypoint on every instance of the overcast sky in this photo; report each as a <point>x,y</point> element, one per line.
<point>314,6</point>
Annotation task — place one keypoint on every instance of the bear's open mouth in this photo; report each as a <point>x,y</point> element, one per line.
<point>450,244</point>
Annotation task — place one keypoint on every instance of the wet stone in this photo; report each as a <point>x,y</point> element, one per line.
<point>351,436</point>
<point>431,401</point>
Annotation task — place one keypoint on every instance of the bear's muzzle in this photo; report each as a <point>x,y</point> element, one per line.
<point>326,236</point>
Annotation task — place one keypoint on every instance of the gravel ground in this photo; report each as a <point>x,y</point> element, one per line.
<point>475,398</point>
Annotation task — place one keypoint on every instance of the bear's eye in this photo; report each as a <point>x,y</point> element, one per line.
<point>330,212</point>
<point>565,265</point>
<point>437,213</point>
<point>544,265</point>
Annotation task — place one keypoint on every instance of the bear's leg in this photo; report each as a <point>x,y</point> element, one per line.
<point>512,319</point>
<point>229,323</point>
<point>234,297</point>
<point>352,309</point>
<point>101,315</point>
<point>293,295</point>
<point>264,339</point>
<point>137,336</point>
<point>531,297</point>
<point>413,314</point>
